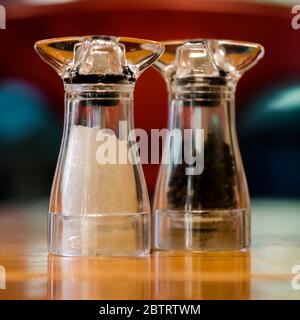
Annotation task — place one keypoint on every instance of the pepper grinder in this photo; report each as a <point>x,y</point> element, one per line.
<point>203,205</point>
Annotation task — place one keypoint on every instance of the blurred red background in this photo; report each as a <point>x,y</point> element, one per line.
<point>267,24</point>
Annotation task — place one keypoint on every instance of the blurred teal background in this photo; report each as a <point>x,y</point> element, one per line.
<point>29,140</point>
<point>269,131</point>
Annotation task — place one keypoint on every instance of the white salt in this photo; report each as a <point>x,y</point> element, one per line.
<point>92,188</point>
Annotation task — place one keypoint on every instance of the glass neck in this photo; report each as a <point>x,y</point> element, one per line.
<point>203,106</point>
<point>99,106</point>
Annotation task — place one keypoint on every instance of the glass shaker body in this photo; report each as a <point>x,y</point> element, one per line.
<point>201,200</point>
<point>99,203</point>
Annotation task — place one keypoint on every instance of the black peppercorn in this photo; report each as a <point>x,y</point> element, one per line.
<point>214,188</point>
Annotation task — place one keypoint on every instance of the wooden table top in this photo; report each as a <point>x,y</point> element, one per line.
<point>265,272</point>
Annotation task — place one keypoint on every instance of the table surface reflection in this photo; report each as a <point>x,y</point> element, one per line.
<point>264,272</point>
